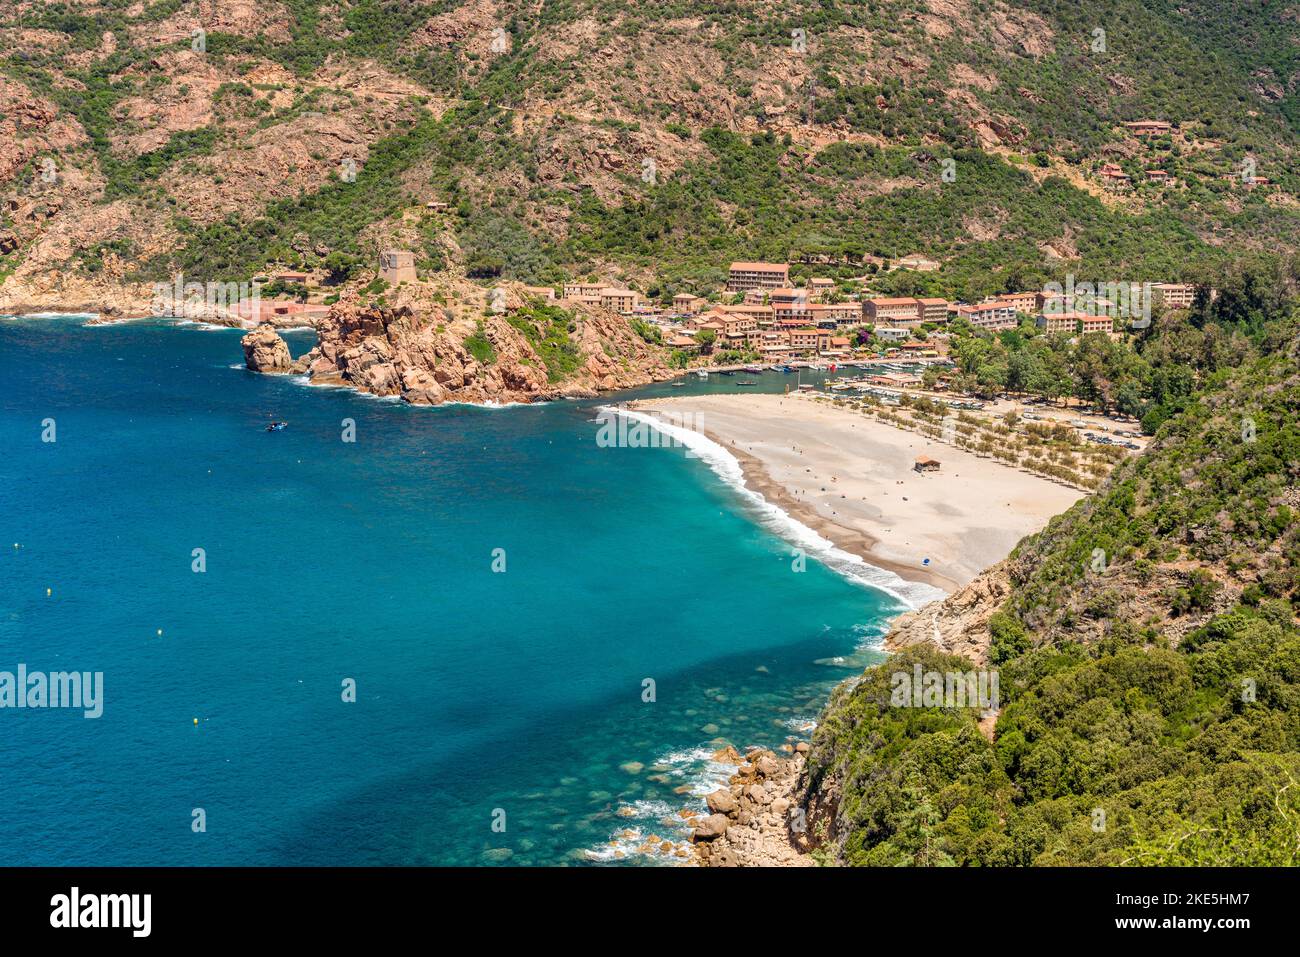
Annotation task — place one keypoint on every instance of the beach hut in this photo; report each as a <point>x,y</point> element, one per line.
<point>926,464</point>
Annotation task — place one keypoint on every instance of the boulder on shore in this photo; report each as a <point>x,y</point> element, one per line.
<point>265,351</point>
<point>722,802</point>
<point>711,828</point>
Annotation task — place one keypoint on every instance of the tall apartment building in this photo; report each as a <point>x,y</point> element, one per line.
<point>1174,295</point>
<point>994,316</point>
<point>892,312</point>
<point>744,276</point>
<point>622,301</point>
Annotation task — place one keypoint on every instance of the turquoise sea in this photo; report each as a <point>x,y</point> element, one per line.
<point>482,696</point>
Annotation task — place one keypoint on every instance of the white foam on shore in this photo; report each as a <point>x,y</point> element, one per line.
<point>727,467</point>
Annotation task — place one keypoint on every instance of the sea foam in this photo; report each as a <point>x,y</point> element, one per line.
<point>727,467</point>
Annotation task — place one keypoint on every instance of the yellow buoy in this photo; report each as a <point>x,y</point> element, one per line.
<point>48,592</point>
<point>159,632</point>
<point>196,720</point>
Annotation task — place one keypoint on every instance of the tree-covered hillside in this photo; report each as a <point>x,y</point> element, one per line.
<point>1149,670</point>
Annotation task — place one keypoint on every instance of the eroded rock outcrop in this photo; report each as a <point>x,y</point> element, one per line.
<point>265,351</point>
<point>428,354</point>
<point>957,624</point>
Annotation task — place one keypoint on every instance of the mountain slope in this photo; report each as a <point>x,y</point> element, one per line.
<point>647,143</point>
<point>1148,653</point>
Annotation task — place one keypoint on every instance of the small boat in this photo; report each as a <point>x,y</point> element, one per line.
<point>701,374</point>
<point>746,382</point>
<point>752,370</point>
<point>276,426</point>
<point>678,385</point>
<point>788,370</point>
<point>728,371</point>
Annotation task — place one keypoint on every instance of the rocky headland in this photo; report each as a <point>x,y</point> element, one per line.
<point>428,353</point>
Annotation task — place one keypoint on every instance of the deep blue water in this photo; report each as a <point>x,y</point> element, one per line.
<point>477,690</point>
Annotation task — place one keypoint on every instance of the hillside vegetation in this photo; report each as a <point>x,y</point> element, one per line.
<point>1149,665</point>
<point>647,143</point>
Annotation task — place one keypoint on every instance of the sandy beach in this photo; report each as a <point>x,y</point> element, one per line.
<point>851,479</point>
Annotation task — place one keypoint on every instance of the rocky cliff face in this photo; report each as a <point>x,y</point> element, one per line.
<point>958,624</point>
<point>422,353</point>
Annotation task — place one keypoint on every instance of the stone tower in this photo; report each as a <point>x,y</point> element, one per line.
<point>397,265</point>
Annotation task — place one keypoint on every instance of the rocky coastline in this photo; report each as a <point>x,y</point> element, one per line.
<point>757,819</point>
<point>425,353</point>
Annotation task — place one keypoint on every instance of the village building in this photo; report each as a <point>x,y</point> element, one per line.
<point>1173,295</point>
<point>836,346</point>
<point>622,301</point>
<point>583,290</point>
<point>933,310</point>
<point>809,340</point>
<point>1026,302</point>
<point>1114,177</point>
<point>835,315</point>
<point>397,266</point>
<point>763,315</point>
<point>1089,324</point>
<point>744,276</point>
<point>894,380</point>
<point>293,277</point>
<point>545,293</point>
<point>924,463</point>
<point>821,287</point>
<point>773,345</point>
<point>892,312</point>
<point>993,316</point>
<point>739,326</point>
<point>919,349</point>
<point>892,334</point>
<point>685,304</point>
<point>1059,322</point>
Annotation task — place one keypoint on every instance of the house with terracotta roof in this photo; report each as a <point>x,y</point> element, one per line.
<point>1114,176</point>
<point>1089,324</point>
<point>993,316</point>
<point>1026,302</point>
<point>933,310</point>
